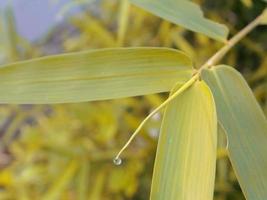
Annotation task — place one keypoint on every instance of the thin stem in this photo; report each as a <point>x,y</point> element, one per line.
<point>173,96</point>
<point>232,42</point>
<point>211,62</point>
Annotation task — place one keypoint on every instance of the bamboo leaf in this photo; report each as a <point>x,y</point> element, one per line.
<point>97,188</point>
<point>83,180</point>
<point>93,75</point>
<point>60,185</point>
<point>264,17</point>
<point>245,126</point>
<point>70,5</point>
<point>186,14</point>
<point>10,33</point>
<point>186,153</point>
<point>123,21</point>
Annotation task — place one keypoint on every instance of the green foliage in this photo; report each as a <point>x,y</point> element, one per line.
<point>188,141</point>
<point>66,151</point>
<point>245,126</point>
<point>264,17</point>
<point>94,75</point>
<point>49,166</point>
<point>186,14</point>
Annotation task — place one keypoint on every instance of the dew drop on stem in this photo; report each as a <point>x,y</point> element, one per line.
<point>117,161</point>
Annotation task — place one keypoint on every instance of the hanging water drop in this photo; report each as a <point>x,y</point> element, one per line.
<point>117,161</point>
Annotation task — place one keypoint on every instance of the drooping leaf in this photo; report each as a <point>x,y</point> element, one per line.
<point>186,153</point>
<point>93,75</point>
<point>245,126</point>
<point>186,14</point>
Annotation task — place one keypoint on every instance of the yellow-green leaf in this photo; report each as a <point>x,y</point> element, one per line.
<point>83,180</point>
<point>58,187</point>
<point>186,14</point>
<point>186,154</point>
<point>93,75</point>
<point>245,126</point>
<point>264,17</point>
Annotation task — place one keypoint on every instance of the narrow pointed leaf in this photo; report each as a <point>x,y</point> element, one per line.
<point>186,154</point>
<point>65,179</point>
<point>93,75</point>
<point>245,126</point>
<point>186,14</point>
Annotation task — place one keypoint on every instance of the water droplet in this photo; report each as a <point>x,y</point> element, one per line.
<point>117,161</point>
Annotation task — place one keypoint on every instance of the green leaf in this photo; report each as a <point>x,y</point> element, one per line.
<point>264,17</point>
<point>10,37</point>
<point>186,14</point>
<point>93,75</point>
<point>67,7</point>
<point>63,181</point>
<point>186,154</point>
<point>245,126</point>
<point>83,180</point>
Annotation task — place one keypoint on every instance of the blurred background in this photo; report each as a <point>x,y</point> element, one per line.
<point>65,151</point>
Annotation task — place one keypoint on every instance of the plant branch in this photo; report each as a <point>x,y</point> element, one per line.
<point>232,42</point>
<point>166,102</point>
<point>211,62</point>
